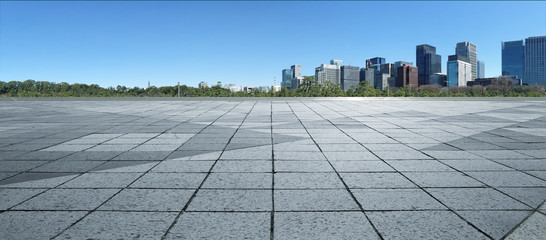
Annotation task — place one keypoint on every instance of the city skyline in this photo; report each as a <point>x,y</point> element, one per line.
<point>90,42</point>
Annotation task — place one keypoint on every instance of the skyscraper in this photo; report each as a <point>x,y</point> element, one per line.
<point>287,78</point>
<point>535,61</point>
<point>428,62</point>
<point>469,50</point>
<point>375,62</point>
<point>513,53</point>
<point>350,76</point>
<point>296,76</point>
<point>459,71</point>
<point>328,73</point>
<point>407,75</point>
<point>481,69</point>
<point>400,64</point>
<point>336,62</point>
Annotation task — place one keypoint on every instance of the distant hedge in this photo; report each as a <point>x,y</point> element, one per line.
<point>31,88</point>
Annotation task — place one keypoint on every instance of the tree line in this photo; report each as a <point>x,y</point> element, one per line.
<point>308,88</point>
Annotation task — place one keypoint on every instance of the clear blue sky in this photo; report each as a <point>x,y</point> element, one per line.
<point>246,43</point>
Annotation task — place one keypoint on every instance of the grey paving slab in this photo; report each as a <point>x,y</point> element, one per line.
<point>376,180</point>
<point>475,199</point>
<point>419,166</point>
<point>361,166</point>
<point>442,179</point>
<point>495,223</point>
<point>19,166</point>
<point>508,179</point>
<point>243,166</point>
<point>121,225</point>
<point>350,156</point>
<point>102,180</point>
<point>239,180</point>
<point>396,199</point>
<point>221,225</point>
<point>323,225</point>
<point>423,225</point>
<point>36,224</point>
<point>532,228</point>
<point>12,197</point>
<point>314,200</point>
<point>303,166</point>
<point>125,166</point>
<point>476,165</point>
<point>169,180</point>
<point>530,196</point>
<point>149,200</point>
<point>307,180</point>
<point>36,180</point>
<point>68,199</point>
<point>68,166</point>
<point>232,200</point>
<point>183,166</point>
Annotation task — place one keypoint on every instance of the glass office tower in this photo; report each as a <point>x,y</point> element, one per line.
<point>512,58</point>
<point>535,61</point>
<point>469,50</point>
<point>428,62</point>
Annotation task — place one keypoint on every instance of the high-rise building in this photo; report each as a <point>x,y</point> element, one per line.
<point>481,69</point>
<point>428,62</point>
<point>350,76</point>
<point>296,76</point>
<point>469,50</point>
<point>203,85</point>
<point>336,62</point>
<point>388,68</point>
<point>513,53</point>
<point>535,61</point>
<point>368,75</point>
<point>400,64</point>
<point>287,78</point>
<point>381,80</point>
<point>407,76</point>
<point>438,79</point>
<point>328,73</point>
<point>375,63</point>
<point>459,71</point>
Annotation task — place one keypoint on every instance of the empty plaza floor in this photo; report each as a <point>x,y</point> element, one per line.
<point>273,169</point>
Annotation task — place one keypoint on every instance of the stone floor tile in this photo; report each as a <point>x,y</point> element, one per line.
<point>12,197</point>
<point>323,225</point>
<point>121,225</point>
<point>307,181</point>
<point>231,200</point>
<point>396,199</point>
<point>442,179</point>
<point>149,200</point>
<point>376,180</point>
<point>68,199</point>
<point>423,225</point>
<point>239,180</point>
<point>36,224</point>
<point>169,180</point>
<point>102,180</point>
<point>475,199</point>
<point>313,200</point>
<point>221,225</point>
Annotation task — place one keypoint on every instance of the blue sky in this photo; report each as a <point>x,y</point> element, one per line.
<point>245,43</point>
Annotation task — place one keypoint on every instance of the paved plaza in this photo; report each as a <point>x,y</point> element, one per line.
<point>273,169</point>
